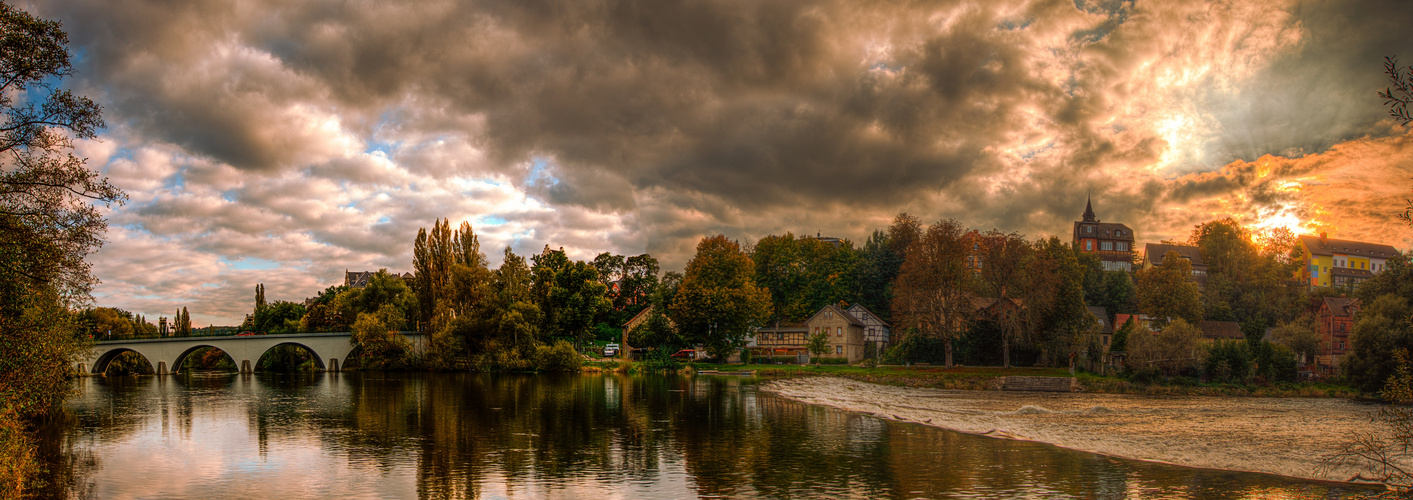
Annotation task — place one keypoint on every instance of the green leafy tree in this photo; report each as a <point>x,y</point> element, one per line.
<point>1062,321</point>
<point>48,225</point>
<point>376,333</point>
<point>718,302</point>
<point>279,317</point>
<point>1165,292</point>
<point>818,346</point>
<point>1383,327</point>
<point>1119,342</point>
<point>1300,336</point>
<point>640,278</point>
<point>932,297</point>
<point>577,298</point>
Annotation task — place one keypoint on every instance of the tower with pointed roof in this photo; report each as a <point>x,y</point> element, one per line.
<point>1111,241</point>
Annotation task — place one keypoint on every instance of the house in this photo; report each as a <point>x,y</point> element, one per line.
<point>1343,263</point>
<point>1213,331</point>
<point>1153,254</point>
<point>1336,317</point>
<point>1112,242</point>
<point>782,340</point>
<point>844,330</point>
<point>876,331</point>
<point>359,279</point>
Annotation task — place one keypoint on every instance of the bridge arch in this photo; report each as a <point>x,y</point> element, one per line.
<point>318,359</point>
<point>100,365</point>
<point>181,358</point>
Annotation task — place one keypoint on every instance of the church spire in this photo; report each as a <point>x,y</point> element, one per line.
<point>1088,210</point>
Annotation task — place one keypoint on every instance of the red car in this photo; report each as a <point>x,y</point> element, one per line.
<point>685,354</point>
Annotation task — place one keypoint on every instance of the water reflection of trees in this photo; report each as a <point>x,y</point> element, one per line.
<point>548,435</point>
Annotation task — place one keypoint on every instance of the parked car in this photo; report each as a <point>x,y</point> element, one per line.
<point>610,350</point>
<point>685,354</point>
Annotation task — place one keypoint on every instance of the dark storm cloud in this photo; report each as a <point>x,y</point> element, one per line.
<point>333,129</point>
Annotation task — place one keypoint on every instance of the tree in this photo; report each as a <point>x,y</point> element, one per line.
<point>259,297</point>
<point>433,255</point>
<point>933,294</point>
<point>577,298</point>
<point>639,280</point>
<point>1400,92</point>
<point>1300,336</point>
<point>1174,350</point>
<point>48,221</point>
<point>818,345</point>
<point>1165,292</point>
<point>1003,258</point>
<point>1383,327</point>
<point>718,302</point>
<point>48,225</point>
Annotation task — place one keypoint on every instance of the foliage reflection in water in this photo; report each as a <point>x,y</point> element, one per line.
<point>396,435</point>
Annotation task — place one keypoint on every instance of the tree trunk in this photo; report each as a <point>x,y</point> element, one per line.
<point>1006,349</point>
<point>949,354</point>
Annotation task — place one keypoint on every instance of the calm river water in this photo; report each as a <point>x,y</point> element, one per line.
<point>395,435</point>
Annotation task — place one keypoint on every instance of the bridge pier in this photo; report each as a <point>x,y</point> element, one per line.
<point>333,364</point>
<point>161,367</point>
<point>81,369</point>
<point>245,366</point>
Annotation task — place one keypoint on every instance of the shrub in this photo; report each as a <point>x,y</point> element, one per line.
<point>831,361</point>
<point>558,358</point>
<point>1228,361</point>
<point>745,356</point>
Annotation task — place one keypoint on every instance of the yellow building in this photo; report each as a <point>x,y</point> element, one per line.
<point>1343,263</point>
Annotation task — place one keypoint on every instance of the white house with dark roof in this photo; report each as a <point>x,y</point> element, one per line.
<point>875,329</point>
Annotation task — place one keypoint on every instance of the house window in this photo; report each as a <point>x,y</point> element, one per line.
<point>816,329</point>
<point>841,331</point>
<point>1089,229</point>
<point>838,349</point>
<point>1088,245</point>
<point>1121,246</point>
<point>1107,246</point>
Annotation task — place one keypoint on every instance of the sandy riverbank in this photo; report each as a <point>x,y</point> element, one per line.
<point>1285,436</point>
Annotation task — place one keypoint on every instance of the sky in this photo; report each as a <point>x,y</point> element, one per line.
<point>285,142</point>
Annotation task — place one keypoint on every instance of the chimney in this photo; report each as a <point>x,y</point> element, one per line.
<point>1323,237</point>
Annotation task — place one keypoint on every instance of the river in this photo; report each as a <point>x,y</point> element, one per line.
<point>399,435</point>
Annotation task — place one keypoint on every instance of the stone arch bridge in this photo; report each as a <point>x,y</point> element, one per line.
<point>167,355</point>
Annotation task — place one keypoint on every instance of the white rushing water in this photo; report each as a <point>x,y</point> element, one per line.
<point>1285,436</point>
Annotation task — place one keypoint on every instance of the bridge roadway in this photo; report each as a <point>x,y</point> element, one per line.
<point>167,355</point>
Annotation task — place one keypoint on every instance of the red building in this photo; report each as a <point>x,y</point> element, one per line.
<point>1336,318</point>
<point>1111,241</point>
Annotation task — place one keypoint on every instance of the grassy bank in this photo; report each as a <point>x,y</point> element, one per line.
<point>983,378</point>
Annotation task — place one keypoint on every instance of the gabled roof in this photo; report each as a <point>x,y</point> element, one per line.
<point>1340,306</point>
<point>641,314</point>
<point>1331,246</point>
<point>1154,253</point>
<point>866,311</point>
<point>1220,330</point>
<point>842,313</point>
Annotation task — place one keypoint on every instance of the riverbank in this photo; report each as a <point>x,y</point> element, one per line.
<point>987,378</point>
<point>1284,436</point>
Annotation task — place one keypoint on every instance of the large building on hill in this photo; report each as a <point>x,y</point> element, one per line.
<point>1342,263</point>
<point>1111,241</point>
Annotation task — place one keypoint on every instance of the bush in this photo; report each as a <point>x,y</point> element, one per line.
<point>659,360</point>
<point>560,358</point>
<point>745,356</point>
<point>1276,363</point>
<point>1146,376</point>
<point>1228,362</point>
<point>830,361</point>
